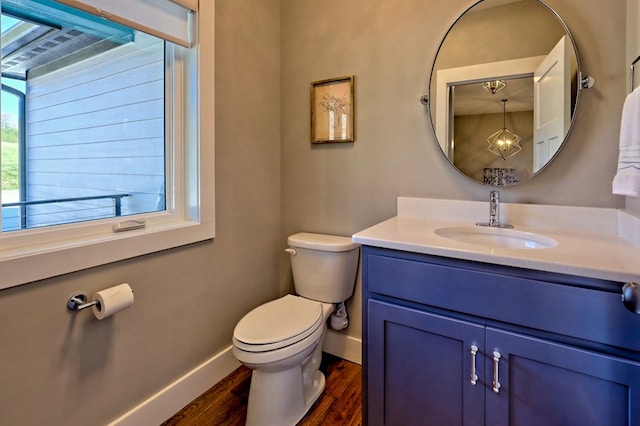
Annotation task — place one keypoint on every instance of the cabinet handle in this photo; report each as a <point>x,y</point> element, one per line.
<point>496,362</point>
<point>474,377</point>
<point>631,297</point>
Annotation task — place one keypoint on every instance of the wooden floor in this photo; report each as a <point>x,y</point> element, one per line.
<point>226,402</point>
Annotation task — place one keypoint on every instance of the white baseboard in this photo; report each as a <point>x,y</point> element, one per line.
<point>168,401</point>
<point>343,346</point>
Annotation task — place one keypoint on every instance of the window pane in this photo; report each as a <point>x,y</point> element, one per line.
<point>94,120</point>
<point>12,136</point>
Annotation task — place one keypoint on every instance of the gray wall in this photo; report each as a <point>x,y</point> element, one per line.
<point>58,368</point>
<point>633,50</point>
<point>389,47</point>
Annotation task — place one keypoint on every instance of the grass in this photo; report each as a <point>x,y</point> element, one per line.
<point>9,166</point>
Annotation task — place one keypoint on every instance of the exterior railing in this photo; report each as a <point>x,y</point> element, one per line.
<point>117,204</point>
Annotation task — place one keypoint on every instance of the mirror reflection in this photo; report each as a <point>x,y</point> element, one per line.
<point>503,90</point>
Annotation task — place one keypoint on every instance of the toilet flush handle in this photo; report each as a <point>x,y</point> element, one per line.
<point>291,251</point>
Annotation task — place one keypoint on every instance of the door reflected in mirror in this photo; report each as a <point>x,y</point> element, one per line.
<point>504,71</point>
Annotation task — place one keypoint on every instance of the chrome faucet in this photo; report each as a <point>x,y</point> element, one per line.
<point>494,212</point>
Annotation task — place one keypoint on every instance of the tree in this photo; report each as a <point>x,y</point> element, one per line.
<point>8,120</point>
<point>9,128</point>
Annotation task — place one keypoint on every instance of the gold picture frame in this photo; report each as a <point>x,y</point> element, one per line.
<point>333,110</point>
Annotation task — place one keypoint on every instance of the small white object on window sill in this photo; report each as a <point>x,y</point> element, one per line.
<point>128,225</point>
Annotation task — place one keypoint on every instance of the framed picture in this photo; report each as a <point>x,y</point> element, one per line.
<point>332,110</point>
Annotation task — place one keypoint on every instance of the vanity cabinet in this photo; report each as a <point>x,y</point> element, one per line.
<point>454,342</point>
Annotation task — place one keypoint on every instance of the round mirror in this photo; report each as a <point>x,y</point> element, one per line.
<point>503,90</point>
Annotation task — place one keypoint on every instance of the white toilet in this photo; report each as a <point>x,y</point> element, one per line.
<point>282,340</point>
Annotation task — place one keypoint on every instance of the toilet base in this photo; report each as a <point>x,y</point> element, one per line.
<point>314,392</point>
<point>283,389</point>
<point>279,399</point>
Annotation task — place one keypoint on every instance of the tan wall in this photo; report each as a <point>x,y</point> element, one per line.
<point>633,51</point>
<point>390,47</point>
<point>60,368</point>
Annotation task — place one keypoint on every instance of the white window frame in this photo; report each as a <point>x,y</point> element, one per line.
<point>35,254</point>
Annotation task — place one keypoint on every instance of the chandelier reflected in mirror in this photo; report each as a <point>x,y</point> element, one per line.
<point>504,143</point>
<point>494,86</point>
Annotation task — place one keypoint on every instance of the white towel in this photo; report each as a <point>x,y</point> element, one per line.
<point>627,179</point>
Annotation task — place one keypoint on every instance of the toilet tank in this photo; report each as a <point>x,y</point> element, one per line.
<point>324,266</point>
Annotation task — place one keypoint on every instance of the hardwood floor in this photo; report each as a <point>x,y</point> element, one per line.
<point>226,402</point>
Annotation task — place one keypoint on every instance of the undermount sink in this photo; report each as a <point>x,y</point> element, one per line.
<point>496,237</point>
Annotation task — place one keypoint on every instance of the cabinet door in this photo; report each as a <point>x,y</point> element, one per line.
<point>420,367</point>
<point>545,383</point>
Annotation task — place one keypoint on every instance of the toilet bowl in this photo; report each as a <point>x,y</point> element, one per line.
<point>286,380</point>
<point>281,341</point>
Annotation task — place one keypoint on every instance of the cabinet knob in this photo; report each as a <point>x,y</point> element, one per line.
<point>631,297</point>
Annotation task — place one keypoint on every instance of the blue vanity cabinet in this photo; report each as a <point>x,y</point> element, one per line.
<point>420,366</point>
<point>453,342</point>
<point>546,383</point>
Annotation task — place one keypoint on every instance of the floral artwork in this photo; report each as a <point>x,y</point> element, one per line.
<point>332,110</point>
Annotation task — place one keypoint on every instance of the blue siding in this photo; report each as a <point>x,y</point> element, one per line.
<point>97,128</point>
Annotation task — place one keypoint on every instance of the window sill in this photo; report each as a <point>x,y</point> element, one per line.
<point>17,264</point>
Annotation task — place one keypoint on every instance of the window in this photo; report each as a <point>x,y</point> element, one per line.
<point>100,133</point>
<point>11,153</point>
<point>92,107</point>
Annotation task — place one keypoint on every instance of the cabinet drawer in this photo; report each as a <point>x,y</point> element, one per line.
<point>583,313</point>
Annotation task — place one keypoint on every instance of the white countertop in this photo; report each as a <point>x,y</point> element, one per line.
<point>592,242</point>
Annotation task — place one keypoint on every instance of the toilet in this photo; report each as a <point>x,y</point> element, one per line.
<point>281,341</point>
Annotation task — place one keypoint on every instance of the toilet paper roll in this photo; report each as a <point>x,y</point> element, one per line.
<point>112,300</point>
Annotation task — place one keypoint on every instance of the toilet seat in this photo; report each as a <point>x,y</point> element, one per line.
<point>278,324</point>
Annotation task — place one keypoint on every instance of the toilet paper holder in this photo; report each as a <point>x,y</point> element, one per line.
<point>103,303</point>
<point>78,302</point>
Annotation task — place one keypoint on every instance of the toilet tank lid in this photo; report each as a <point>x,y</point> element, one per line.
<point>321,242</point>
